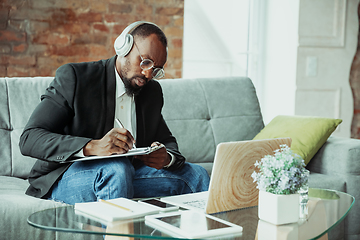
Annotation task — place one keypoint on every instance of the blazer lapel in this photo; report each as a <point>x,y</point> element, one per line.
<point>110,94</point>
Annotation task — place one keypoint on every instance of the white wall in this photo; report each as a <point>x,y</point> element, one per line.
<point>328,34</point>
<point>215,38</point>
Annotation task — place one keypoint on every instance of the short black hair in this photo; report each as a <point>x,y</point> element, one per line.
<point>146,29</point>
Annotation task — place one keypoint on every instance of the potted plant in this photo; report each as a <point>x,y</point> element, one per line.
<point>279,179</point>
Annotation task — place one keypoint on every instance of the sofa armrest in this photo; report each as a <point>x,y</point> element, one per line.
<point>338,156</point>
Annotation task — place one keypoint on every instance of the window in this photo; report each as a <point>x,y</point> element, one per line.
<point>220,38</point>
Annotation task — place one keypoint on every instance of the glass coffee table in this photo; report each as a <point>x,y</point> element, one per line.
<point>326,211</point>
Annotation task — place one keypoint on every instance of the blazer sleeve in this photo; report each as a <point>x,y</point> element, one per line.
<point>45,136</point>
<point>151,124</point>
<point>171,145</point>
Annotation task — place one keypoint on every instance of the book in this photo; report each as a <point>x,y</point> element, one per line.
<point>131,152</point>
<point>114,209</point>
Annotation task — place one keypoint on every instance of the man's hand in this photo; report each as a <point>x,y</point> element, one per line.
<point>157,159</point>
<point>116,141</point>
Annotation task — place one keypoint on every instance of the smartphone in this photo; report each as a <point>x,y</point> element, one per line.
<point>160,205</point>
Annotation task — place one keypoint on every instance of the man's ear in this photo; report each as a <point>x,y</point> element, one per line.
<point>120,61</point>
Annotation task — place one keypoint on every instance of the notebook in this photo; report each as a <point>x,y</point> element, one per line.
<point>231,185</point>
<point>113,210</point>
<point>131,152</point>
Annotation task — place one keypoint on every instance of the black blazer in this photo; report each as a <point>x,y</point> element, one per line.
<point>79,105</point>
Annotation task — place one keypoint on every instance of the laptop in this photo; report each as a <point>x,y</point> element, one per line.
<point>231,185</point>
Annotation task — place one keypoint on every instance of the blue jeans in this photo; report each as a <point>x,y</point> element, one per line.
<point>89,181</point>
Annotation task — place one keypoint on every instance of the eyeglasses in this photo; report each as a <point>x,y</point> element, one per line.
<point>147,64</point>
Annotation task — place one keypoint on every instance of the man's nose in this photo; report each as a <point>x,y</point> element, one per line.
<point>147,73</point>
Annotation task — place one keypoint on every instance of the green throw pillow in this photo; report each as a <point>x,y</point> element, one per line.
<point>308,134</point>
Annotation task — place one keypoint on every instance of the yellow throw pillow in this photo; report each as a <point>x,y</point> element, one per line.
<point>308,134</point>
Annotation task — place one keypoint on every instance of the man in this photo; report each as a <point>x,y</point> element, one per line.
<point>97,108</point>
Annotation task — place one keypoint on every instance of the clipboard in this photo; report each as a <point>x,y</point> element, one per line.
<point>131,152</point>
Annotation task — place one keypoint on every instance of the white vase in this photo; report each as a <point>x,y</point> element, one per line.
<point>268,231</point>
<point>278,209</point>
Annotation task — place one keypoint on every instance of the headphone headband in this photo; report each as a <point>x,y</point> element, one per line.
<point>125,40</point>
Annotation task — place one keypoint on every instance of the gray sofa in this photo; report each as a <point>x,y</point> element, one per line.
<point>200,112</point>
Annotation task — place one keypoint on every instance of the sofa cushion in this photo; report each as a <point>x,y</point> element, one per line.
<point>202,113</point>
<point>308,134</point>
<point>16,207</point>
<point>18,99</point>
<point>322,181</point>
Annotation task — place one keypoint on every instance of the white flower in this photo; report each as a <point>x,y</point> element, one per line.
<point>281,173</point>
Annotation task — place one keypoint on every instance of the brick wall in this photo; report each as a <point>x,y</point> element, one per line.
<point>38,36</point>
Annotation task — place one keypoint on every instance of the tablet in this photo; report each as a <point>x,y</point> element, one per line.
<point>192,224</point>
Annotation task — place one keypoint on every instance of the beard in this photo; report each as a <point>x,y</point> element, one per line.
<point>130,89</point>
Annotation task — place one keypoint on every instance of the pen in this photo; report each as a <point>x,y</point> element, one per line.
<point>122,126</point>
<point>119,123</point>
<point>114,205</point>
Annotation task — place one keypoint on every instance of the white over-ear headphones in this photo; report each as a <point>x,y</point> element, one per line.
<point>125,40</point>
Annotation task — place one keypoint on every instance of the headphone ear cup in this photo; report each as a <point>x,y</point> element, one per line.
<point>128,44</point>
<point>124,42</point>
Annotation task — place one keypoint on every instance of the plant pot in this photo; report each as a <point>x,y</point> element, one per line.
<point>268,231</point>
<point>278,209</point>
